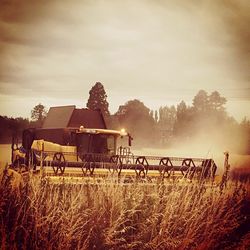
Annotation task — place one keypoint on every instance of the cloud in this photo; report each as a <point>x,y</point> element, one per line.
<point>236,17</point>
<point>157,51</point>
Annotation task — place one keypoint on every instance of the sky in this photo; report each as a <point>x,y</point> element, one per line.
<point>160,52</point>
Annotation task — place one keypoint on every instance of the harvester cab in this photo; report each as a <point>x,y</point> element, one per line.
<point>81,143</point>
<point>98,141</point>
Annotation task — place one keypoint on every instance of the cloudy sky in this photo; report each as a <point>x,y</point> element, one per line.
<point>161,52</point>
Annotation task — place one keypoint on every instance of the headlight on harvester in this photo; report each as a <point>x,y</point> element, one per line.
<point>123,132</point>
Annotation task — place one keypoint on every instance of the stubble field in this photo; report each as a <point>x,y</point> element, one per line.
<point>112,214</point>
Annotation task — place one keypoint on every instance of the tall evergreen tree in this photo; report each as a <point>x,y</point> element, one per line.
<point>98,99</point>
<point>200,101</point>
<point>216,101</point>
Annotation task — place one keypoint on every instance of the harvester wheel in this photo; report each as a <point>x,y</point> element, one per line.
<point>188,167</point>
<point>89,164</point>
<point>116,164</point>
<point>84,165</point>
<point>166,166</point>
<point>58,163</point>
<point>90,168</point>
<point>142,168</point>
<point>140,171</point>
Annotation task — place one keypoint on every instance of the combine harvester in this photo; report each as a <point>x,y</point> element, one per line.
<point>76,142</point>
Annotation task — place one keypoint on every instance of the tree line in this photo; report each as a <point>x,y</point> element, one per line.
<point>205,117</point>
<point>10,127</point>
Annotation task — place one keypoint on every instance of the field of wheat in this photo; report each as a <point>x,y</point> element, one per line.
<point>112,214</point>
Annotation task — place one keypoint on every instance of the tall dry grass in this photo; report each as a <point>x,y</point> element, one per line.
<point>107,214</point>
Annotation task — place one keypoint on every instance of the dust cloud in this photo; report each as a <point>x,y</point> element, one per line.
<point>205,141</point>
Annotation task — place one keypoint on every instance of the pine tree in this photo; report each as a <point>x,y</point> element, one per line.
<point>216,101</point>
<point>98,99</point>
<point>200,101</point>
